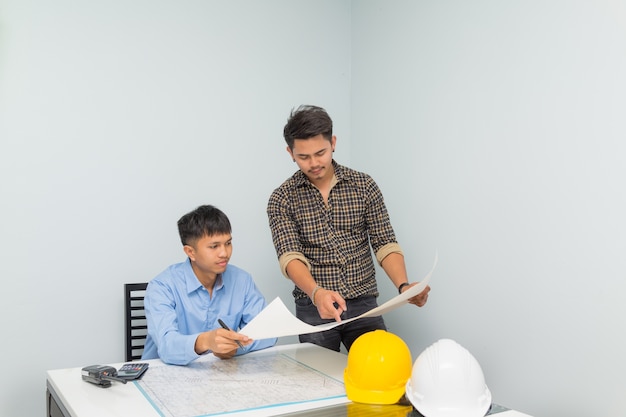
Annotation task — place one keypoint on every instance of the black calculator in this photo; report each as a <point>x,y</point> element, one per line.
<point>133,370</point>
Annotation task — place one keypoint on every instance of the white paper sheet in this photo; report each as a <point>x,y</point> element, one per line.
<point>277,321</point>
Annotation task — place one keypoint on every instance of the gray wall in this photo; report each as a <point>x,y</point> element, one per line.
<point>494,128</point>
<point>496,131</point>
<point>118,117</point>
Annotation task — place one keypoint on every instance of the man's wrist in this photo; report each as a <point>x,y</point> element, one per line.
<point>401,286</point>
<point>315,290</point>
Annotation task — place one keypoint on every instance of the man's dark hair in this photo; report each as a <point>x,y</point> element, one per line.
<point>306,122</point>
<point>204,221</point>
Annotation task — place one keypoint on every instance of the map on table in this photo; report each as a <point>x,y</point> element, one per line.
<point>243,383</point>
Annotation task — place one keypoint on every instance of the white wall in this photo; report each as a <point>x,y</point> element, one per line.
<point>496,131</point>
<point>118,117</point>
<point>494,128</point>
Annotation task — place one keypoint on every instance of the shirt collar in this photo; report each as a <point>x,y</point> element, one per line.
<point>192,283</point>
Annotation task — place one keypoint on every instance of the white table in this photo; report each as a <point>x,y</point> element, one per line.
<point>70,396</point>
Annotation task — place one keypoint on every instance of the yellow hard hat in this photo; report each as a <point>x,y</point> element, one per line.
<point>379,365</point>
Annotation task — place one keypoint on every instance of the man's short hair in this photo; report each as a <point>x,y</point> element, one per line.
<point>206,220</point>
<point>306,122</point>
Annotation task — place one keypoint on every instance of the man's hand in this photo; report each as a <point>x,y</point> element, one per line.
<point>421,298</point>
<point>329,304</point>
<point>225,355</point>
<point>222,342</point>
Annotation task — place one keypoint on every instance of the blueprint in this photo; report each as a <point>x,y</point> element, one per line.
<point>243,383</point>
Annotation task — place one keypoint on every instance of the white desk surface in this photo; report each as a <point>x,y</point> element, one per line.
<point>83,399</point>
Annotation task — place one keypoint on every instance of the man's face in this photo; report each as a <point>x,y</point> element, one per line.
<point>314,157</point>
<point>210,255</point>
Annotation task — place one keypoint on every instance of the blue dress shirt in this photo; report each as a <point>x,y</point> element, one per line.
<point>178,308</point>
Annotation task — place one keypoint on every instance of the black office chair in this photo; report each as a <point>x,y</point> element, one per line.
<point>136,324</point>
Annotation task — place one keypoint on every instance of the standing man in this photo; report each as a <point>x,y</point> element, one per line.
<point>323,220</point>
<point>185,303</point>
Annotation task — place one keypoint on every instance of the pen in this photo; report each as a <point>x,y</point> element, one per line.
<point>228,328</point>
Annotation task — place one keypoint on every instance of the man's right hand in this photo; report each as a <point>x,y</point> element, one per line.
<point>329,304</point>
<point>222,342</point>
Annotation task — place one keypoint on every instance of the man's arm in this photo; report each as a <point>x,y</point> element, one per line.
<point>294,264</point>
<point>394,267</point>
<point>172,346</point>
<point>322,298</point>
<point>383,241</point>
<point>175,347</point>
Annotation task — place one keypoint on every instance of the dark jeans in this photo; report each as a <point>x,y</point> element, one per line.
<point>345,333</point>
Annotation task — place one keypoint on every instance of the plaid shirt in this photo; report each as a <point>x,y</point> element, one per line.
<point>333,238</point>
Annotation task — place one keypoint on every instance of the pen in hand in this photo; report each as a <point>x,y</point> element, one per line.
<point>224,326</point>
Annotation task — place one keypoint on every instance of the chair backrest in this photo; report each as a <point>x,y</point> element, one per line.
<point>136,324</point>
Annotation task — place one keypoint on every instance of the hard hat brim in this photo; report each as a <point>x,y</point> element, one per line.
<point>479,410</point>
<point>374,397</point>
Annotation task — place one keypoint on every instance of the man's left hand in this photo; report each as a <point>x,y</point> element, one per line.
<point>421,298</point>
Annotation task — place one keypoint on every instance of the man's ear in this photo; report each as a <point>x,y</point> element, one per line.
<point>190,252</point>
<point>333,142</point>
<point>290,153</point>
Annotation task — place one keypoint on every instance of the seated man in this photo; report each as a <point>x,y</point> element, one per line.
<point>185,302</point>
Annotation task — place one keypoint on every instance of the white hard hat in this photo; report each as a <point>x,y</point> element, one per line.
<point>447,381</point>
